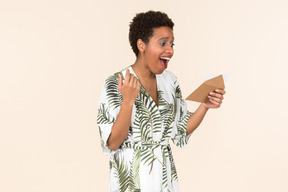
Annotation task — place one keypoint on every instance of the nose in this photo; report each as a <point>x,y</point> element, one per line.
<point>169,50</point>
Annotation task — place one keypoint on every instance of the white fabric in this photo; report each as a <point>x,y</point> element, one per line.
<point>144,161</point>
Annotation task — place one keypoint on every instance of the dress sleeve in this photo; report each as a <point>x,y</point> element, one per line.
<point>109,107</point>
<point>182,115</point>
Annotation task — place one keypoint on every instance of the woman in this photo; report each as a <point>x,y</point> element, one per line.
<point>141,107</point>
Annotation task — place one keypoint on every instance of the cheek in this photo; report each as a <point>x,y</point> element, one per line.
<point>154,53</point>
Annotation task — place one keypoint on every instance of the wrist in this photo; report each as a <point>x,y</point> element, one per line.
<point>127,103</point>
<point>203,106</point>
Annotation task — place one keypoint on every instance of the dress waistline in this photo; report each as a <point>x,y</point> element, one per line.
<point>141,144</point>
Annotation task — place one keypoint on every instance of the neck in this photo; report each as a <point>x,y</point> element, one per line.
<point>142,69</point>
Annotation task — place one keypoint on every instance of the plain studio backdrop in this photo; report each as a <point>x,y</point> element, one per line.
<point>55,56</point>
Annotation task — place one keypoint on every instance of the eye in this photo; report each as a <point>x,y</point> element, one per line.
<point>162,44</point>
<point>172,44</point>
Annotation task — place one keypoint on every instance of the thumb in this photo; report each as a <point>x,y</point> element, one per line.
<point>120,81</point>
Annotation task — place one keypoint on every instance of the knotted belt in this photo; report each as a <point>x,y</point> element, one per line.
<point>164,147</point>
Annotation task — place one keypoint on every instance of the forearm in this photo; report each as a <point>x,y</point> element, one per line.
<point>121,126</point>
<point>196,118</point>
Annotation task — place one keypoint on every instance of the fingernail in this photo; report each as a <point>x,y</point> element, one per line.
<point>211,93</point>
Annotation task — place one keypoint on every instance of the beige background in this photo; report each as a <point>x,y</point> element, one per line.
<point>55,55</point>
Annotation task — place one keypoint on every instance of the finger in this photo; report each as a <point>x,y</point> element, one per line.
<point>127,77</point>
<point>221,91</point>
<point>131,79</point>
<point>131,82</point>
<point>215,103</point>
<point>120,81</point>
<point>134,82</point>
<point>215,99</point>
<point>218,95</point>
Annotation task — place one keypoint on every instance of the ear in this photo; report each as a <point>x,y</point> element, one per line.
<point>141,46</point>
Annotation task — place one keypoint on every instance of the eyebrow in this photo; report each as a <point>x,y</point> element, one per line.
<point>164,38</point>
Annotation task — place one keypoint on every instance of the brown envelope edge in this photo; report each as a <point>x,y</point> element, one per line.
<point>201,93</point>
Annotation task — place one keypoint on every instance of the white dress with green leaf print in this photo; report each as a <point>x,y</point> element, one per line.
<point>144,161</point>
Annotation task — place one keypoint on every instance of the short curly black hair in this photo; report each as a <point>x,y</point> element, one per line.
<point>142,26</point>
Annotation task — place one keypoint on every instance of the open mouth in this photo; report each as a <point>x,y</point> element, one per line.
<point>164,61</point>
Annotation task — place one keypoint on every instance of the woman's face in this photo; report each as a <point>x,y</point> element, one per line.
<point>159,49</point>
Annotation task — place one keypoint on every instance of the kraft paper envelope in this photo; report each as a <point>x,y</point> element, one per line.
<point>201,93</point>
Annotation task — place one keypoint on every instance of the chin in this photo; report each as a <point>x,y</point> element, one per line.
<point>159,71</point>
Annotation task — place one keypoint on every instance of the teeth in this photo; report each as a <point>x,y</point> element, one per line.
<point>166,58</point>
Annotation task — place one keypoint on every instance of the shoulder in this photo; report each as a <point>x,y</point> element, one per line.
<point>113,79</point>
<point>168,76</point>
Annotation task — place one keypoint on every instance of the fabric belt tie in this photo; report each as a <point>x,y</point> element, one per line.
<point>163,146</point>
<point>140,144</point>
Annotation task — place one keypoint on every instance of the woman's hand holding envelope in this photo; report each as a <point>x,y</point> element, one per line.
<point>210,94</point>
<point>204,90</point>
<point>215,98</point>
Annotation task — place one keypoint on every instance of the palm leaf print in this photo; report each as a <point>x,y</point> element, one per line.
<point>134,190</point>
<point>103,116</point>
<point>167,108</point>
<point>172,165</point>
<point>182,130</point>
<point>122,173</point>
<point>102,141</point>
<point>134,172</point>
<point>178,93</point>
<point>148,119</point>
<point>166,133</point>
<point>147,122</point>
<point>128,179</point>
<point>167,111</point>
<point>148,156</point>
<point>145,153</point>
<point>164,172</point>
<point>113,95</point>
